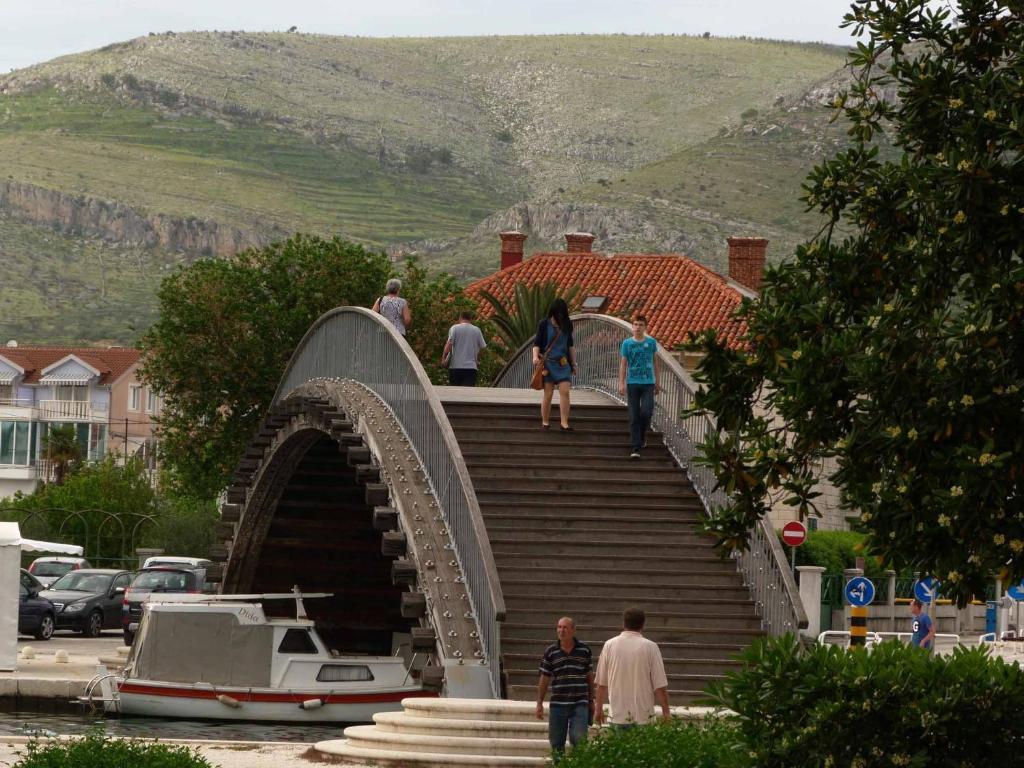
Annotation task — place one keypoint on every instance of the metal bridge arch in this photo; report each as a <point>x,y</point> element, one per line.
<point>355,379</point>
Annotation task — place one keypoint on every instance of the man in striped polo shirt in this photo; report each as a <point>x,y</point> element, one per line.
<point>566,669</point>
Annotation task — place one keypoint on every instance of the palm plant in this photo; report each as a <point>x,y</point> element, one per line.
<point>61,448</point>
<point>517,316</point>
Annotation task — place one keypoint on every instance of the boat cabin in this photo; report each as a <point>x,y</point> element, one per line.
<point>220,643</point>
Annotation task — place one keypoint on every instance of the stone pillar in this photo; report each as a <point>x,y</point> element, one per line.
<point>810,596</point>
<point>890,577</point>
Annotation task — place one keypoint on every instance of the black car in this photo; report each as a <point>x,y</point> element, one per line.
<point>149,580</point>
<point>89,600</point>
<point>35,613</point>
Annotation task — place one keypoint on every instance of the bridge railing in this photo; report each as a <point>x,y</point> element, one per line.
<point>598,339</point>
<point>357,344</point>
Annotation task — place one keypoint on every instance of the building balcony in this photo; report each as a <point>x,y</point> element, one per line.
<point>17,410</point>
<point>71,410</point>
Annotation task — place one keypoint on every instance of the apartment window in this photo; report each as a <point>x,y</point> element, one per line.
<point>17,442</point>
<point>151,401</point>
<point>6,393</point>
<point>135,398</point>
<point>74,392</point>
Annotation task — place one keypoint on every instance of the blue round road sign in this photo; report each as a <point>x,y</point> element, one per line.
<point>860,591</point>
<point>1017,593</point>
<point>926,589</point>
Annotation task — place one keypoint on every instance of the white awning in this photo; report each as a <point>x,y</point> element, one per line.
<point>6,377</point>
<point>71,377</point>
<point>10,535</point>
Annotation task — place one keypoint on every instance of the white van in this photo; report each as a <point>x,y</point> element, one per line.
<point>170,560</point>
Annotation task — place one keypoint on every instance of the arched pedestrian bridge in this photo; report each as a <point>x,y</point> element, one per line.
<point>443,519</point>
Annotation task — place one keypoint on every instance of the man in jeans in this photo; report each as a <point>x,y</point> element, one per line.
<point>638,381</point>
<point>462,351</point>
<point>566,668</point>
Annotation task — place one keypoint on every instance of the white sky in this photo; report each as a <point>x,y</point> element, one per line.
<point>32,31</point>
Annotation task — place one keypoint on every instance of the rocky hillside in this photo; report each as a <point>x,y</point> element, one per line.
<point>187,145</point>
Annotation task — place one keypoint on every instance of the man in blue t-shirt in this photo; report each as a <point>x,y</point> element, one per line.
<point>922,625</point>
<point>638,381</point>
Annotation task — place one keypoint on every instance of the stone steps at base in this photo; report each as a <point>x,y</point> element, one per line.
<point>403,722</point>
<point>371,737</point>
<point>340,751</point>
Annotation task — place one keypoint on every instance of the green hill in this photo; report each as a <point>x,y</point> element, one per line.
<point>174,146</point>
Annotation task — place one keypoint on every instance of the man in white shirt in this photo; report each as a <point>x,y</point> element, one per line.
<point>462,351</point>
<point>631,675</point>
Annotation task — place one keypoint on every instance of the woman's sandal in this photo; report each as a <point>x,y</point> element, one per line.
<point>545,426</point>
<point>567,429</point>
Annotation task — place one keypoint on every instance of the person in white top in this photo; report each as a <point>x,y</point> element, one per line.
<point>393,307</point>
<point>631,675</point>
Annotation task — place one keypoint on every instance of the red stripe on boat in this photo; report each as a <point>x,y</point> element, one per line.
<point>286,698</point>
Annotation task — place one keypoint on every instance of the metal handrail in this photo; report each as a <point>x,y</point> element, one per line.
<point>597,339</point>
<point>357,344</point>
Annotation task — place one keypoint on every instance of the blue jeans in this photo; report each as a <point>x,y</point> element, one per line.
<point>640,398</point>
<point>571,719</point>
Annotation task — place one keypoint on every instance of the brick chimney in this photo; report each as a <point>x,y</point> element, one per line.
<point>746,260</point>
<point>511,248</point>
<point>578,242</point>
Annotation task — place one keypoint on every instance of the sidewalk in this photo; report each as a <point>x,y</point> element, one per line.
<point>220,753</point>
<point>43,677</point>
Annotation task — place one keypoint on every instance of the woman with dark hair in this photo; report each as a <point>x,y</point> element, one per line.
<point>554,346</point>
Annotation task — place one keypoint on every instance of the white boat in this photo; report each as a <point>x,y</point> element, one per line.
<point>219,657</point>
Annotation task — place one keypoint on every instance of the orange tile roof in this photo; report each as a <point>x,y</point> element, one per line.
<point>678,295</point>
<point>112,363</point>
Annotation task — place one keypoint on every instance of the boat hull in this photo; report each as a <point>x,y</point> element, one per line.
<point>255,705</point>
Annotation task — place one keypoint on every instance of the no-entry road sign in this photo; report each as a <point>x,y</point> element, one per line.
<point>794,533</point>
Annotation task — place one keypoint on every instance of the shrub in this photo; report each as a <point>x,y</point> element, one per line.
<point>836,550</point>
<point>504,136</point>
<point>897,705</point>
<point>108,79</point>
<point>95,751</point>
<point>672,744</point>
<point>131,82</point>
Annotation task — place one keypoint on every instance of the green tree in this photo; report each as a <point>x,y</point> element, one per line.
<point>227,329</point>
<point>893,340</point>
<point>517,315</point>
<point>102,506</point>
<point>60,448</point>
<point>183,525</point>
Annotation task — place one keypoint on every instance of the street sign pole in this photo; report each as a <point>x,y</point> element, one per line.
<point>858,625</point>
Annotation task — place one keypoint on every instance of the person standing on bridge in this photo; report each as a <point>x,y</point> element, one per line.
<point>638,381</point>
<point>393,307</point>
<point>631,675</point>
<point>566,668</point>
<point>554,345</point>
<point>462,351</point>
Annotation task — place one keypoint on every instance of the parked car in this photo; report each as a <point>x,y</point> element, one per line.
<point>35,613</point>
<point>49,569</point>
<point>89,600</point>
<point>174,561</point>
<point>159,579</point>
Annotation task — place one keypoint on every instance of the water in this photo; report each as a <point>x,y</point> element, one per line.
<point>29,723</point>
